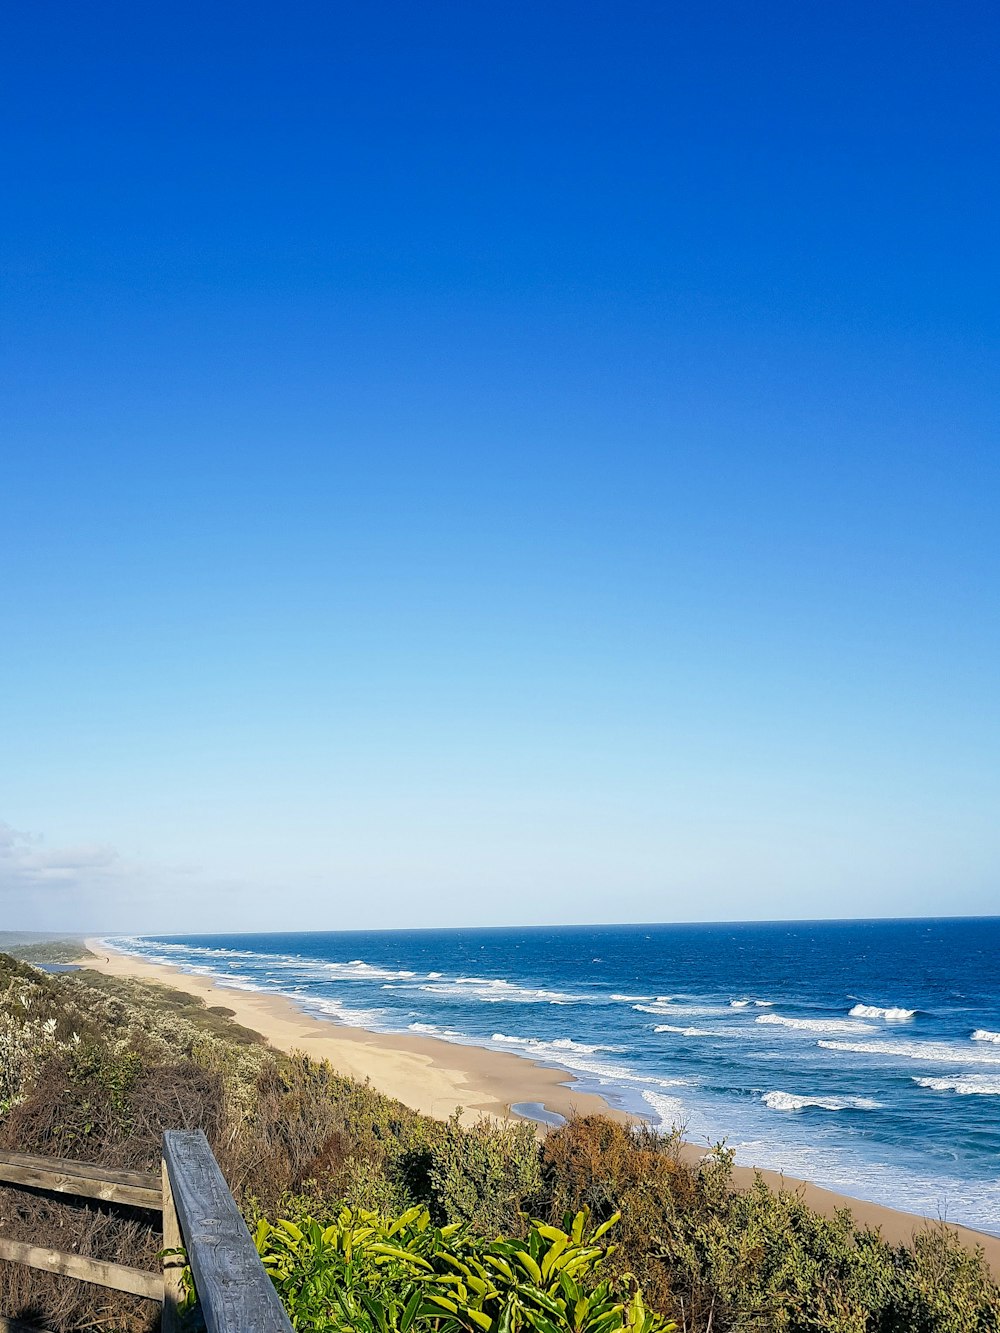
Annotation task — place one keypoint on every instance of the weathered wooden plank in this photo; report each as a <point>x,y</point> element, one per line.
<point>234,1292</point>
<point>86,1170</point>
<point>173,1264</point>
<point>103,1274</point>
<point>68,1182</point>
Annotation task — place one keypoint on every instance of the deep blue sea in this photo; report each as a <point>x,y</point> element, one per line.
<point>863,1055</point>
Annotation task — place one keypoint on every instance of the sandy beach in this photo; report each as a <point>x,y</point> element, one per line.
<point>432,1076</point>
<point>438,1077</point>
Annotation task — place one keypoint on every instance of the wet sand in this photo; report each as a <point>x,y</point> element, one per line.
<point>439,1077</point>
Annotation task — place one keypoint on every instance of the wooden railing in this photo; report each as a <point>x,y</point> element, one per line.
<point>235,1294</point>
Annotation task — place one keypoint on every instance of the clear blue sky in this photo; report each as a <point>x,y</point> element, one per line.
<point>475,463</point>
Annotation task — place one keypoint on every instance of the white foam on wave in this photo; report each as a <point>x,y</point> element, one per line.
<point>691,1032</point>
<point>829,1025</point>
<point>557,1043</point>
<point>984,1034</point>
<point>203,960</point>
<point>579,1058</point>
<point>358,970</point>
<point>788,1101</point>
<point>442,1034</point>
<point>628,999</point>
<point>493,990</point>
<point>964,1084</point>
<point>373,1019</point>
<point>751,1004</point>
<point>891,1015</point>
<point>930,1193</point>
<point>669,1110</point>
<point>934,1052</point>
<point>663,1008</point>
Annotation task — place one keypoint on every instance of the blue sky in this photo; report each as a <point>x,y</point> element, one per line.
<point>471,464</point>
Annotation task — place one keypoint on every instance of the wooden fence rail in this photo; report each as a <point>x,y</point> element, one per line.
<point>89,1182</point>
<point>235,1295</point>
<point>234,1291</point>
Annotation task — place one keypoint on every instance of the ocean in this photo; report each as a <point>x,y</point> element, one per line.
<point>862,1055</point>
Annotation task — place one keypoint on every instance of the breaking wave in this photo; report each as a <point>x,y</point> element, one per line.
<point>669,1110</point>
<point>891,1015</point>
<point>487,990</point>
<point>373,1019</point>
<point>984,1034</point>
<point>558,1044</point>
<point>934,1052</point>
<point>963,1084</point>
<point>830,1025</point>
<point>787,1101</point>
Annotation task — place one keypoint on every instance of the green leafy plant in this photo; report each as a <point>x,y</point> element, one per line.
<point>367,1274</point>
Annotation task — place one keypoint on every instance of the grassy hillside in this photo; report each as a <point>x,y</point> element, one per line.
<point>95,1068</point>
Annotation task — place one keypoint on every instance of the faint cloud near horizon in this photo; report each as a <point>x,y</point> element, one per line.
<point>63,888</point>
<point>26,861</point>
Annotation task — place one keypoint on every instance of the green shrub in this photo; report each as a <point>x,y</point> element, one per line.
<point>714,1257</point>
<point>487,1175</point>
<point>367,1274</point>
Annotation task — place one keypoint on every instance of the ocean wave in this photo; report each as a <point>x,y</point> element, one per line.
<point>984,1034</point>
<point>490,990</point>
<point>578,1058</point>
<point>751,1004</point>
<point>788,1101</point>
<point>963,1084</point>
<point>198,958</point>
<point>934,1052</point>
<point>557,1043</point>
<point>669,1110</point>
<point>662,1009</point>
<point>891,1015</point>
<point>627,999</point>
<point>372,1019</point>
<point>829,1025</point>
<point>690,1032</point>
<point>359,970</point>
<point>442,1034</point>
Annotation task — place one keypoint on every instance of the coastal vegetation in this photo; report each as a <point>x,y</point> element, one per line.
<point>363,1273</point>
<point>350,1194</point>
<point>41,951</point>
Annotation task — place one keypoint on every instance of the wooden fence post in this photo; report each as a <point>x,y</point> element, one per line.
<point>173,1264</point>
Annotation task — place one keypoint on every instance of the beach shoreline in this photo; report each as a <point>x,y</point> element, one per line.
<point>439,1078</point>
<point>427,1074</point>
